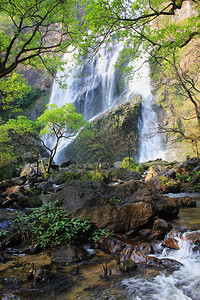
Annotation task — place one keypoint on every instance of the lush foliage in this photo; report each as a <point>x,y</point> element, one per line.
<point>63,122</point>
<point>50,226</point>
<point>11,88</point>
<point>136,22</point>
<point>33,32</point>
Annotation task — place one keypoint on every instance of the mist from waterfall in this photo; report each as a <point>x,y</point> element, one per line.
<point>97,85</point>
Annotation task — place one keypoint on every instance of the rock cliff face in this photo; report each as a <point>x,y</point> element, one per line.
<point>175,109</point>
<point>108,136</point>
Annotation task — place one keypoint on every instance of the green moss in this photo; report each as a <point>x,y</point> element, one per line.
<point>129,164</point>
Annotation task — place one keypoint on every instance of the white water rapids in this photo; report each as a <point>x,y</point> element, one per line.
<point>183,284</point>
<point>97,86</point>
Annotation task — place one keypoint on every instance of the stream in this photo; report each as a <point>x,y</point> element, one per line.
<point>88,284</point>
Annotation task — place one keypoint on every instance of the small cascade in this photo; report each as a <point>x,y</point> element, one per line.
<point>96,86</point>
<point>182,284</point>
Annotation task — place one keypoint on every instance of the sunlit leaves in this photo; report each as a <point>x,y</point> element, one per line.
<point>12,87</point>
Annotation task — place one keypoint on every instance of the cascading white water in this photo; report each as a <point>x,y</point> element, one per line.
<point>182,284</point>
<point>97,86</point>
<point>151,146</point>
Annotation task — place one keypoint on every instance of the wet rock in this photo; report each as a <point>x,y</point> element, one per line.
<point>194,237</point>
<point>11,297</point>
<point>69,254</point>
<point>112,245</point>
<point>150,235</point>
<point>155,171</point>
<point>171,243</point>
<point>164,263</point>
<point>28,170</point>
<point>186,201</point>
<point>128,265</point>
<point>136,256</point>
<point>137,205</point>
<point>162,226</point>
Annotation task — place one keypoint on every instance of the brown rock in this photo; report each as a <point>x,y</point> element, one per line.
<point>186,201</point>
<point>154,171</point>
<point>171,243</point>
<point>68,254</point>
<point>192,236</point>
<point>14,189</point>
<point>138,204</point>
<point>164,263</point>
<point>161,225</point>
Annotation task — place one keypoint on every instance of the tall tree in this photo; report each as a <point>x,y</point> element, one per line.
<point>61,122</point>
<point>34,32</point>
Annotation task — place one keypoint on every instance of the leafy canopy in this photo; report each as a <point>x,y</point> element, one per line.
<point>136,23</point>
<point>33,32</point>
<point>62,122</point>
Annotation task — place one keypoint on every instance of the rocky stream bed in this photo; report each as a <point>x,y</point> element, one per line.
<point>145,225</point>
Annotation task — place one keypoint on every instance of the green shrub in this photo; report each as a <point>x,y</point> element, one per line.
<point>49,225</point>
<point>129,164</point>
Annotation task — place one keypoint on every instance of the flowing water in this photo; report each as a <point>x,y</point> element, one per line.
<point>144,283</point>
<point>97,85</point>
<point>151,284</point>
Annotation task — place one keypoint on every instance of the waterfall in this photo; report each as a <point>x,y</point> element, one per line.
<point>96,86</point>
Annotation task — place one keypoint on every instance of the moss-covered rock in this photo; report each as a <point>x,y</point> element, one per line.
<point>129,164</point>
<point>106,135</point>
<point>128,265</point>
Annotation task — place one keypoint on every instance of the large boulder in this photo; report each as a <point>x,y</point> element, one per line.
<point>121,208</point>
